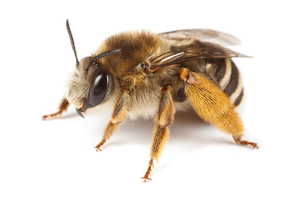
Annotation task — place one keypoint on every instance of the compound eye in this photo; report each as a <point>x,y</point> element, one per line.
<point>98,89</point>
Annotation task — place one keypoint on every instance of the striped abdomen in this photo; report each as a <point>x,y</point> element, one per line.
<point>225,74</point>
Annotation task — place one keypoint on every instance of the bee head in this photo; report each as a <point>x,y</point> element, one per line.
<point>91,84</point>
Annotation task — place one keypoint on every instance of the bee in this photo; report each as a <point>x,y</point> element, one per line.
<point>149,75</point>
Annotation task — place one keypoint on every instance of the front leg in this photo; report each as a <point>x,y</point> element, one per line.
<point>62,108</point>
<point>118,116</point>
<point>163,119</point>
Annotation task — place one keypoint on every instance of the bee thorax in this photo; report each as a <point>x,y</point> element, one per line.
<point>127,82</point>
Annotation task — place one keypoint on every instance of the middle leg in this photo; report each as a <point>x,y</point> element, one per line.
<point>164,117</point>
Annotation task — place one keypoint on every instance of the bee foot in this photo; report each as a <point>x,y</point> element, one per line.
<point>146,179</point>
<point>245,143</point>
<point>98,149</point>
<point>149,169</point>
<point>254,145</point>
<point>100,145</point>
<point>238,140</point>
<point>51,116</point>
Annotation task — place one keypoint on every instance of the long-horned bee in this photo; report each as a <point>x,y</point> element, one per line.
<point>149,75</point>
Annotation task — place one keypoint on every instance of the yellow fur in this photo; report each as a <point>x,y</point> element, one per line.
<point>164,117</point>
<point>159,140</point>
<point>212,105</point>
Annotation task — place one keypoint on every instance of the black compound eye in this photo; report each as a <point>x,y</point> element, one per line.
<point>98,89</point>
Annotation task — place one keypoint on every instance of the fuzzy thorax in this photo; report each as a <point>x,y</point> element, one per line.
<point>125,72</point>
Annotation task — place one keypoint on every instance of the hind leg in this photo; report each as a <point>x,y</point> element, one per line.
<point>213,105</point>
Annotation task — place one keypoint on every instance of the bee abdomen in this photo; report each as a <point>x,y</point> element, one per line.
<point>227,76</point>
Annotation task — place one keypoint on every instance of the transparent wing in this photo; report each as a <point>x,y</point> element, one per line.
<point>195,51</point>
<point>204,35</point>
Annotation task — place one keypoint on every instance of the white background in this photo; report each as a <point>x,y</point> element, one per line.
<point>55,159</point>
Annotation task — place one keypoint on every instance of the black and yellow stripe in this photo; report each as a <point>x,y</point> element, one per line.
<point>227,76</point>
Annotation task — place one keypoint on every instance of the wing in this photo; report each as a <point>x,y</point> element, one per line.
<point>194,51</point>
<point>205,35</point>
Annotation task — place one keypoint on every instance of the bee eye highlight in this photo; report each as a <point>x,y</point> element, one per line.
<point>98,89</point>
